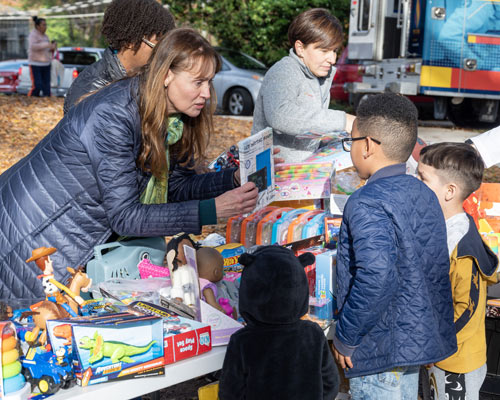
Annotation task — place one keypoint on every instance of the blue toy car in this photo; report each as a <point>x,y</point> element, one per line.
<point>47,370</point>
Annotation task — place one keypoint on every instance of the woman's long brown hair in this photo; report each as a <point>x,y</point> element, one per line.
<point>180,50</point>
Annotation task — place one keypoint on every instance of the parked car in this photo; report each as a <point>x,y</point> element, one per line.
<point>347,71</point>
<point>9,75</point>
<point>238,82</point>
<point>74,60</point>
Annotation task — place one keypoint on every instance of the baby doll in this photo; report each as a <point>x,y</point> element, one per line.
<point>211,270</point>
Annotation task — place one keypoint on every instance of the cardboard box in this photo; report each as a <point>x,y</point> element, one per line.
<point>182,337</point>
<point>311,269</point>
<point>111,347</point>
<point>326,275</point>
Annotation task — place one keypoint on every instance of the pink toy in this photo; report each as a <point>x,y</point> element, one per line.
<point>224,303</point>
<point>147,269</point>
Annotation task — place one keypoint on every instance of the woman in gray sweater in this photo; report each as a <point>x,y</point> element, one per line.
<point>295,94</point>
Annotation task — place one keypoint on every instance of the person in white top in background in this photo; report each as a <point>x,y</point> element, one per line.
<point>39,57</point>
<point>488,146</point>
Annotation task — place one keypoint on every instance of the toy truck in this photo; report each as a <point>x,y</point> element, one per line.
<point>441,51</point>
<point>48,371</point>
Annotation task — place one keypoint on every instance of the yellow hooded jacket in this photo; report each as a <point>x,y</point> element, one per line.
<point>472,268</point>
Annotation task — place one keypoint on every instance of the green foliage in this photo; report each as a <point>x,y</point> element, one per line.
<point>257,27</point>
<point>70,32</point>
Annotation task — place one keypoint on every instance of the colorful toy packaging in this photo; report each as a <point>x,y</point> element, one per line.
<point>111,347</point>
<point>182,337</point>
<point>304,181</point>
<point>256,165</point>
<point>12,383</point>
<point>231,252</point>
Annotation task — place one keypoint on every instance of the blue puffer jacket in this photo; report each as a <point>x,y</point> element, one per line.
<point>81,183</point>
<point>394,293</point>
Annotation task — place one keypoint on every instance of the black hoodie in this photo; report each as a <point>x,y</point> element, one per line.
<point>277,355</point>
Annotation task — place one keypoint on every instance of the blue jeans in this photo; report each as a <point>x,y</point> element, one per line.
<point>40,80</point>
<point>400,383</point>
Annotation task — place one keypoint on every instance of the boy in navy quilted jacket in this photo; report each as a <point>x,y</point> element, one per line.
<point>393,289</point>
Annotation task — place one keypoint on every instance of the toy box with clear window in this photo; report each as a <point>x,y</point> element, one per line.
<point>112,347</point>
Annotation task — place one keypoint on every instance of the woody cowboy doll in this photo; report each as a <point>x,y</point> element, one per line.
<point>51,287</point>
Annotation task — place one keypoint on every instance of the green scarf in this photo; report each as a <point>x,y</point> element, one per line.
<point>156,191</point>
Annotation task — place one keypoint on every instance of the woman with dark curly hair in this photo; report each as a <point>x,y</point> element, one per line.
<point>132,29</point>
<point>120,163</point>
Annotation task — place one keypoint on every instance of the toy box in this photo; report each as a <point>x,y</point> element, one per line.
<point>304,181</point>
<point>12,383</point>
<point>311,269</point>
<point>326,275</point>
<point>182,337</point>
<point>256,165</point>
<point>111,347</point>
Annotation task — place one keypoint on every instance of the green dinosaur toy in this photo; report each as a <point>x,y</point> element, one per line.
<point>117,351</point>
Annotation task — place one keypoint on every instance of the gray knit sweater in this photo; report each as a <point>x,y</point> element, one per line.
<point>292,101</point>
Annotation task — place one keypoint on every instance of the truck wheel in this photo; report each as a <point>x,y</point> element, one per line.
<point>69,383</point>
<point>28,376</point>
<point>239,102</point>
<point>47,385</point>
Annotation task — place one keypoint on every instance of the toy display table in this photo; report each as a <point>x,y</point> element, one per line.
<point>174,373</point>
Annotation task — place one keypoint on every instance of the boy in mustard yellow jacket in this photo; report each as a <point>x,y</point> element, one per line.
<point>453,171</point>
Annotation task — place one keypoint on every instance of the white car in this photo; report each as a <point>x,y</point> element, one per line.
<point>73,59</point>
<point>238,82</point>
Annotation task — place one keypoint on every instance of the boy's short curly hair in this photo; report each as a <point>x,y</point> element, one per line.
<point>392,119</point>
<point>127,22</point>
<point>457,162</point>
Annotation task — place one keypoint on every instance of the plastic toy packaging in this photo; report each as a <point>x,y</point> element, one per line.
<point>233,229</point>
<point>315,226</point>
<point>280,228</point>
<point>346,182</point>
<point>250,224</point>
<point>231,252</point>
<point>130,290</point>
<point>265,225</point>
<point>297,225</point>
<point>332,229</point>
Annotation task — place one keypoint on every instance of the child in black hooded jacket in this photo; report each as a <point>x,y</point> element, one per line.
<point>277,355</point>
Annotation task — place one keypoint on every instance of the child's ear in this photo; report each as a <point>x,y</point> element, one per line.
<point>246,259</point>
<point>452,191</point>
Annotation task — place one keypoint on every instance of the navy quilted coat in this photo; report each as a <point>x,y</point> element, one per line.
<point>394,293</point>
<point>81,183</point>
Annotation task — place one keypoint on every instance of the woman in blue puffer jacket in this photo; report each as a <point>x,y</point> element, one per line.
<point>117,164</point>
